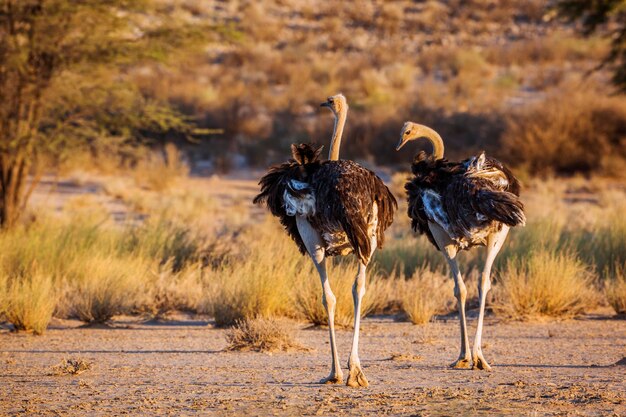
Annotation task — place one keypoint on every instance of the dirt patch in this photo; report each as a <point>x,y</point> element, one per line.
<point>542,369</point>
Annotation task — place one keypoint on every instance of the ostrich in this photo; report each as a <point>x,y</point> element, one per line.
<point>458,205</point>
<point>330,208</point>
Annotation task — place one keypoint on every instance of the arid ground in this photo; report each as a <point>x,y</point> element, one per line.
<point>180,367</point>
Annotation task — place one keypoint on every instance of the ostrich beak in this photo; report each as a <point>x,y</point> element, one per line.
<point>401,143</point>
<point>325,104</point>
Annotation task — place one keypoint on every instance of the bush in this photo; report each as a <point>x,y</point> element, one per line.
<point>257,282</point>
<point>616,290</point>
<point>425,294</point>
<point>261,335</point>
<point>544,283</point>
<point>572,130</point>
<point>29,302</point>
<point>308,294</point>
<point>104,286</point>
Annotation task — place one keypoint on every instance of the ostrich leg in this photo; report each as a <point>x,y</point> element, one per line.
<point>494,244</point>
<point>315,247</point>
<point>357,377</point>
<point>449,250</point>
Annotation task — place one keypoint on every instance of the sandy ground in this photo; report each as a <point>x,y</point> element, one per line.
<point>180,368</point>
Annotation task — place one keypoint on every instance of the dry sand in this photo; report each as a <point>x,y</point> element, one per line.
<point>180,368</point>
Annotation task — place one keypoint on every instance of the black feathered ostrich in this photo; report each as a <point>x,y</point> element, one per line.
<point>329,208</point>
<point>458,205</point>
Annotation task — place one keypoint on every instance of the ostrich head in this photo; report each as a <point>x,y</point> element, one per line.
<point>336,103</point>
<point>411,131</point>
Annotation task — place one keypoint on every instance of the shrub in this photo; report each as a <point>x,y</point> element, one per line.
<point>261,335</point>
<point>71,367</point>
<point>572,130</point>
<point>29,302</point>
<point>604,244</point>
<point>103,286</point>
<point>615,290</point>
<point>170,290</point>
<point>425,294</point>
<point>257,282</point>
<point>308,294</point>
<point>544,283</point>
<point>160,172</point>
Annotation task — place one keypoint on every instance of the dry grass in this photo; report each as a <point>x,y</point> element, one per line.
<point>545,283</point>
<point>29,302</point>
<point>615,290</point>
<point>258,281</point>
<point>308,294</point>
<point>71,367</point>
<point>182,257</point>
<point>573,130</point>
<point>171,290</point>
<point>425,294</point>
<point>261,335</point>
<point>102,287</point>
<point>159,172</point>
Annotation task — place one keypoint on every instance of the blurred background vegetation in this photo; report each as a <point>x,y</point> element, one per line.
<point>232,83</point>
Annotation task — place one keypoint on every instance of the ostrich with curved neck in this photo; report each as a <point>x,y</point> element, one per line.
<point>411,131</point>
<point>339,106</point>
<point>458,205</point>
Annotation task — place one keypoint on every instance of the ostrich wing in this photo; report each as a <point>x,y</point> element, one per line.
<point>285,178</point>
<point>472,201</point>
<point>430,178</point>
<point>345,193</point>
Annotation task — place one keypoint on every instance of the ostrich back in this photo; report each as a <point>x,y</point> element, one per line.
<point>469,199</point>
<point>344,202</point>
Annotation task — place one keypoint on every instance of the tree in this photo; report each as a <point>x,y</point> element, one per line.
<point>64,68</point>
<point>602,16</point>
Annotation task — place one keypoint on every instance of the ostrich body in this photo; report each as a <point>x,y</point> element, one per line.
<point>329,208</point>
<point>458,205</point>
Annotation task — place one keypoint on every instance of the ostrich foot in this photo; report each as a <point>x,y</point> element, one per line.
<point>333,378</point>
<point>462,363</point>
<point>480,362</point>
<point>357,377</point>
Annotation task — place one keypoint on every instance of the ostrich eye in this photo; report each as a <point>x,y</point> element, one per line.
<point>407,132</point>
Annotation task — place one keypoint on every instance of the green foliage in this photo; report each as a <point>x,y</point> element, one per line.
<point>64,81</point>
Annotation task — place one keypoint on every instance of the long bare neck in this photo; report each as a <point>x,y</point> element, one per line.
<point>435,139</point>
<point>335,143</point>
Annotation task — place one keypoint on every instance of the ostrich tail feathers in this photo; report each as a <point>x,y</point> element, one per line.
<point>502,206</point>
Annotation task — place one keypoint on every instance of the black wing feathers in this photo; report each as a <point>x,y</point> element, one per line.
<point>345,193</point>
<point>277,180</point>
<point>469,199</point>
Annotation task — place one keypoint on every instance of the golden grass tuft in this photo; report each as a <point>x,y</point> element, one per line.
<point>29,302</point>
<point>102,287</point>
<point>425,294</point>
<point>615,290</point>
<point>545,283</point>
<point>258,280</point>
<point>308,292</point>
<point>261,335</point>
